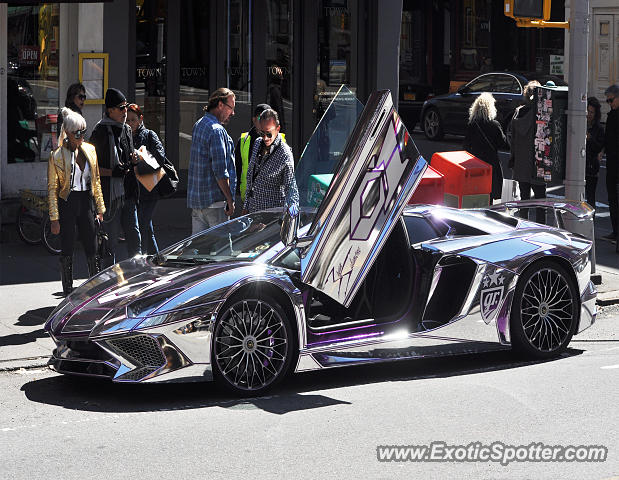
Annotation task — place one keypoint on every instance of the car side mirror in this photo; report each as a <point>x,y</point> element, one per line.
<point>290,227</point>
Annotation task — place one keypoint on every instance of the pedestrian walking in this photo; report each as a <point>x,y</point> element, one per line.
<point>243,149</point>
<point>522,155</point>
<point>142,136</point>
<point>113,141</point>
<point>484,137</point>
<point>76,96</point>
<point>611,147</point>
<point>270,174</point>
<point>595,143</point>
<point>72,184</point>
<point>212,172</point>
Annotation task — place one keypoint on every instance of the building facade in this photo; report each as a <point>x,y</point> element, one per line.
<point>167,56</point>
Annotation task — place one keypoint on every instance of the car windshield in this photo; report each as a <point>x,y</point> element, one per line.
<point>322,153</point>
<point>243,238</point>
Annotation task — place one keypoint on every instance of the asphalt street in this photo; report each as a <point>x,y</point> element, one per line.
<point>320,424</point>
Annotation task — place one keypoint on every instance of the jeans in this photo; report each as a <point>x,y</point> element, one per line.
<point>127,218</point>
<point>591,183</point>
<point>145,219</point>
<point>203,218</point>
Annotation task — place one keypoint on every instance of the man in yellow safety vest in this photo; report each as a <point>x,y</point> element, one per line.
<point>243,151</point>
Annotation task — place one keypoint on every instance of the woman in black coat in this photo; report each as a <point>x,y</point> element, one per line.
<point>148,199</point>
<point>484,137</point>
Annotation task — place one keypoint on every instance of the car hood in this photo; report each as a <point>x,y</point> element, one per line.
<point>137,289</point>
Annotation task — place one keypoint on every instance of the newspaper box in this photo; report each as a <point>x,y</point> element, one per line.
<point>468,180</point>
<point>431,189</point>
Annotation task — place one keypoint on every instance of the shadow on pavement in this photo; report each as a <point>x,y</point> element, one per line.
<point>96,395</point>
<point>29,319</point>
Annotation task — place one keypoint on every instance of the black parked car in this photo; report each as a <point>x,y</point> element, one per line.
<point>449,113</point>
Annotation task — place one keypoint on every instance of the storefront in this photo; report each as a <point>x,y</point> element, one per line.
<point>167,56</point>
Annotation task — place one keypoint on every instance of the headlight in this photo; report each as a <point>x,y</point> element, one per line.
<point>144,306</point>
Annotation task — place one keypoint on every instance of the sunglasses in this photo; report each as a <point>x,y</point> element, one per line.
<point>266,134</point>
<point>81,96</point>
<point>79,134</point>
<point>123,106</point>
<point>610,100</point>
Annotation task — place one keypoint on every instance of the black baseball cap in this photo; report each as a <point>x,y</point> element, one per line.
<point>261,107</point>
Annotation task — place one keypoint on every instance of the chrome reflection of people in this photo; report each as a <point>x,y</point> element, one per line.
<point>270,174</point>
<point>72,182</point>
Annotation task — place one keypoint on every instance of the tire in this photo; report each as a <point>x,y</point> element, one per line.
<point>28,226</point>
<point>51,241</point>
<point>253,345</point>
<point>545,311</point>
<point>432,124</point>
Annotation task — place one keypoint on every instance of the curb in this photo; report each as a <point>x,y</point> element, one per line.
<point>608,298</point>
<point>27,363</point>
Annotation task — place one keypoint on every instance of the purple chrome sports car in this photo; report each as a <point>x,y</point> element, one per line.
<point>352,276</point>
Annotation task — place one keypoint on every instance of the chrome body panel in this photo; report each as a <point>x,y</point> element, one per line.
<point>379,172</point>
<point>449,289</point>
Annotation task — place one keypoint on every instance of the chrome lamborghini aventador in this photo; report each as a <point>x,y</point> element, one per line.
<point>351,276</point>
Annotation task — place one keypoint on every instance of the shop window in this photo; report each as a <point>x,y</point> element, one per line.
<point>335,46</point>
<point>278,57</point>
<point>150,62</point>
<point>195,64</point>
<point>32,81</point>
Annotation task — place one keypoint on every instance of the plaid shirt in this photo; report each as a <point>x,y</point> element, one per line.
<point>212,158</point>
<point>270,180</point>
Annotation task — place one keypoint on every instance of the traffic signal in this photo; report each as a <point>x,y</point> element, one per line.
<point>528,9</point>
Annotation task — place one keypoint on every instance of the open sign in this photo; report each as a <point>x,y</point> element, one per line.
<point>28,55</point>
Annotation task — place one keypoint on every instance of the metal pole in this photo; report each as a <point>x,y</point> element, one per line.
<point>577,100</point>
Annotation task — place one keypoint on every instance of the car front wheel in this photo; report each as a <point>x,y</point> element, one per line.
<point>545,311</point>
<point>432,124</point>
<point>253,345</point>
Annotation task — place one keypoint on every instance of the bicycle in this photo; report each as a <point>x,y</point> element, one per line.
<point>33,223</point>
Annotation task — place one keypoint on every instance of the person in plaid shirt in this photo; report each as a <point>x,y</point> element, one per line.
<point>270,173</point>
<point>212,173</point>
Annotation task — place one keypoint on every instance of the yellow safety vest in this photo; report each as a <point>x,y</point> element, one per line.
<point>245,142</point>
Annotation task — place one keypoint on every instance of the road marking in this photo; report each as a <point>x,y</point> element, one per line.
<point>608,367</point>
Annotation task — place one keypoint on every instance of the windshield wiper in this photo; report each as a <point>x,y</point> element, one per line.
<point>188,260</point>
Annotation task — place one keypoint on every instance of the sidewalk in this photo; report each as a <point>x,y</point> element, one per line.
<point>30,284</point>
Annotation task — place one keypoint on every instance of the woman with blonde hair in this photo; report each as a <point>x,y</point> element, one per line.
<point>72,184</point>
<point>484,137</point>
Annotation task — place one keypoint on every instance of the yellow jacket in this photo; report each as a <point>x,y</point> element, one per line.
<point>59,178</point>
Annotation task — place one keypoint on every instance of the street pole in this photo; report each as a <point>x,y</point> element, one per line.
<point>577,100</point>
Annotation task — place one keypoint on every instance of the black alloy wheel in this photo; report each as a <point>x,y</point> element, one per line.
<point>545,311</point>
<point>432,124</point>
<point>253,345</point>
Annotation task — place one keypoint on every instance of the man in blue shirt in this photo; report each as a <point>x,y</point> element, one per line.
<point>212,173</point>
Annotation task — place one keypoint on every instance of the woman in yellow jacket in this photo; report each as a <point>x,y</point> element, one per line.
<point>73,182</point>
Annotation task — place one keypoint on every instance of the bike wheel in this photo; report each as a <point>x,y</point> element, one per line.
<point>51,241</point>
<point>28,226</point>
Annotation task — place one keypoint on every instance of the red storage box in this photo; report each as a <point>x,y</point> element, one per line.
<point>431,189</point>
<point>468,180</point>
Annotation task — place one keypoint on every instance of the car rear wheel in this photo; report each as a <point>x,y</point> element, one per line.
<point>545,311</point>
<point>253,345</point>
<point>432,124</point>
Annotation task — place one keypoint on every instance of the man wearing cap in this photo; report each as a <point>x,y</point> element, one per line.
<point>211,180</point>
<point>114,144</point>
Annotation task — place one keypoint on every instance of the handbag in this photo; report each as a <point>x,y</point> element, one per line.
<point>169,182</point>
<point>106,257</point>
<point>148,172</point>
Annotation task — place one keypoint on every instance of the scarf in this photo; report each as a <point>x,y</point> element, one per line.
<point>117,187</point>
